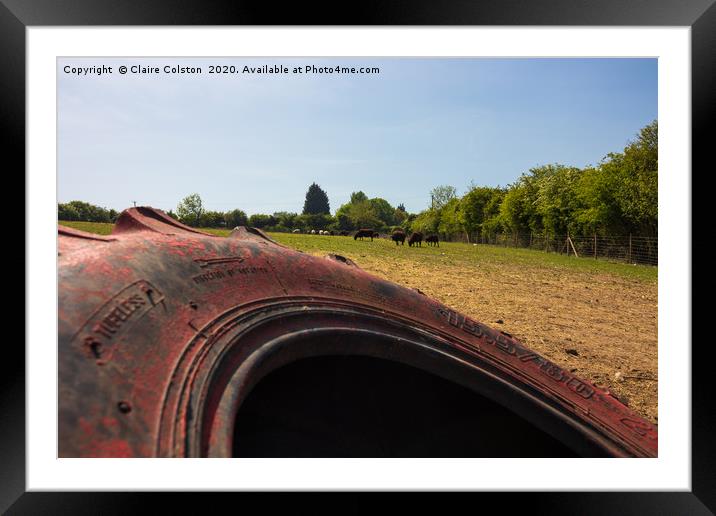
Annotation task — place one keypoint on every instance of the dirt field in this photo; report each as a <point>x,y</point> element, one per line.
<point>594,318</point>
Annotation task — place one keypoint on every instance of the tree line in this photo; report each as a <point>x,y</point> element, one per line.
<point>619,195</point>
<point>85,212</point>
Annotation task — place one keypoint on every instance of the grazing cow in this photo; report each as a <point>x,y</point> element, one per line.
<point>398,236</point>
<point>416,238</point>
<point>330,233</point>
<point>344,233</point>
<point>361,233</point>
<point>313,231</point>
<point>432,239</point>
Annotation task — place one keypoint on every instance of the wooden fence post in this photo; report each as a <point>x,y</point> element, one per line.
<point>569,240</point>
<point>595,246</point>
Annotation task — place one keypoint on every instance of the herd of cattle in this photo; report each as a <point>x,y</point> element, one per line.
<point>416,238</point>
<point>398,236</point>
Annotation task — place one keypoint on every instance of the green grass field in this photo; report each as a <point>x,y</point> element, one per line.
<point>100,228</point>
<point>459,254</point>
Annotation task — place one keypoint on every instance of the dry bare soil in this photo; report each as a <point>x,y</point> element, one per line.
<point>595,318</point>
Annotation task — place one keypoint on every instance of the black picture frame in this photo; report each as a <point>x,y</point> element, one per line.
<point>17,15</point>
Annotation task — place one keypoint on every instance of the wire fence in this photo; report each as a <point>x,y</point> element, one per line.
<point>625,248</point>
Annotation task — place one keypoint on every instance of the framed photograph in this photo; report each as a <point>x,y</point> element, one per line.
<point>216,224</point>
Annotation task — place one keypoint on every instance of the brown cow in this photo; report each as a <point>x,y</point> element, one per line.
<point>398,236</point>
<point>416,238</point>
<point>432,239</point>
<point>364,233</point>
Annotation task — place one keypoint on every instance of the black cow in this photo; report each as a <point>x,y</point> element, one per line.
<point>432,239</point>
<point>398,236</point>
<point>361,233</point>
<point>344,233</point>
<point>416,238</point>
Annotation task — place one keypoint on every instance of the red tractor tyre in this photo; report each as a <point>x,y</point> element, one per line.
<point>164,331</point>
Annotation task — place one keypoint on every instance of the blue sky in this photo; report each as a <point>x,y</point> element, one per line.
<point>256,142</point>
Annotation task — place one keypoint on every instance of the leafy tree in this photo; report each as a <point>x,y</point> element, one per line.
<point>286,219</point>
<point>638,194</point>
<point>212,219</point>
<point>259,220</point>
<point>426,221</point>
<point>400,215</point>
<point>309,221</point>
<point>383,211</point>
<point>620,195</point>
<point>189,210</point>
<point>473,205</point>
<point>358,197</point>
<point>441,195</point>
<point>362,215</point>
<point>83,211</point>
<point>557,200</point>
<point>517,211</point>
<point>316,201</point>
<point>361,212</point>
<point>343,221</point>
<point>407,224</point>
<point>236,218</point>
<point>491,224</point>
<point>450,221</point>
<point>599,210</point>
<point>67,212</point>
<point>480,210</point>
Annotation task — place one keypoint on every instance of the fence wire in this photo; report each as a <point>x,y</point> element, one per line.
<point>624,248</point>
